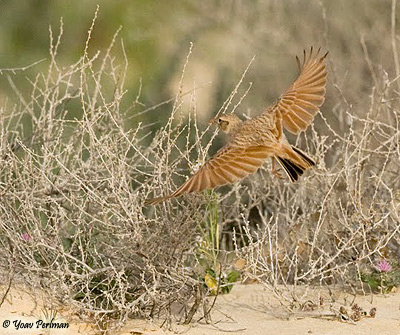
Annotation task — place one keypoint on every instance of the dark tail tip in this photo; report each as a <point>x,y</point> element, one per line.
<point>310,161</point>
<point>292,170</point>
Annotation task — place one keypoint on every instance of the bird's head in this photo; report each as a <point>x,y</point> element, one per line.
<point>227,123</point>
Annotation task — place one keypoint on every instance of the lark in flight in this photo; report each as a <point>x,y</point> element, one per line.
<point>253,141</point>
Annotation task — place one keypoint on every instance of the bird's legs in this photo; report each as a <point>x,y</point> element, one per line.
<point>275,172</point>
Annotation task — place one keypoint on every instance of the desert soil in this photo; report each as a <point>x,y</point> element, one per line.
<point>248,309</point>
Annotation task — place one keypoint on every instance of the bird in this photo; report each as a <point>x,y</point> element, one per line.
<point>253,141</point>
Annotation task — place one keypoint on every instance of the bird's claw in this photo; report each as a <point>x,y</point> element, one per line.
<point>277,173</point>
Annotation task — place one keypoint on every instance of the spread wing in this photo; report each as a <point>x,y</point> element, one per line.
<point>301,101</point>
<point>229,164</point>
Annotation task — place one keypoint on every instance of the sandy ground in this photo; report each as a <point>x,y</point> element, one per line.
<point>248,309</point>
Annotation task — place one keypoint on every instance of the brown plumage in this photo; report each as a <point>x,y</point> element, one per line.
<point>253,141</point>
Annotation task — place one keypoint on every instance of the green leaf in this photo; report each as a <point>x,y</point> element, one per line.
<point>231,278</point>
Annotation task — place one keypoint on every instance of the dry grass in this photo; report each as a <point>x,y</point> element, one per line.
<point>72,219</point>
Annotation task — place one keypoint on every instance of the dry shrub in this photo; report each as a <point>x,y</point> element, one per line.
<point>72,216</point>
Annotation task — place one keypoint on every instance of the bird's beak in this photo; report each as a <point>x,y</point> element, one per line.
<point>212,121</point>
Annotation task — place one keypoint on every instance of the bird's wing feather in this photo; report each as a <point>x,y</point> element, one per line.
<point>301,101</point>
<point>229,164</point>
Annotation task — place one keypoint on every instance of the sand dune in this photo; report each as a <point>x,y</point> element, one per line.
<point>248,309</point>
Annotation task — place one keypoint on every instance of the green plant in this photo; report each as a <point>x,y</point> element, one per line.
<point>215,276</point>
<point>383,277</point>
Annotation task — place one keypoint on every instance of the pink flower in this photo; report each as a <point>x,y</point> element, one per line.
<point>383,266</point>
<point>26,237</point>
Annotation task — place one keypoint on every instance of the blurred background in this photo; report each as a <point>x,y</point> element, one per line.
<point>226,35</point>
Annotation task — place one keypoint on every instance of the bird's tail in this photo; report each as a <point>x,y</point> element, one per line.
<point>295,163</point>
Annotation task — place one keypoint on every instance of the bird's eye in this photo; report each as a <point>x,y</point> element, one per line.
<point>219,120</point>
